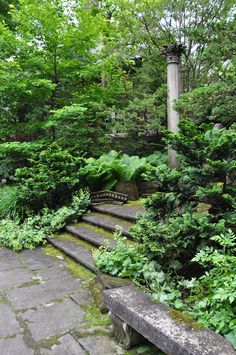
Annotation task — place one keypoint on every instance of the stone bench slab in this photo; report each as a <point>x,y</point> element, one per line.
<point>153,321</point>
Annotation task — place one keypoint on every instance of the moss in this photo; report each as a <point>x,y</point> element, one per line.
<point>48,343</point>
<point>10,337</point>
<point>137,203</point>
<point>79,271</point>
<point>76,269</point>
<point>26,284</point>
<point>50,250</point>
<point>99,230</point>
<point>71,238</point>
<point>94,317</point>
<point>83,333</point>
<point>184,319</point>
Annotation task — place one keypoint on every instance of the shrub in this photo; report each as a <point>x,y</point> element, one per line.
<point>14,155</point>
<point>105,172</point>
<point>50,181</point>
<point>211,104</point>
<point>125,260</point>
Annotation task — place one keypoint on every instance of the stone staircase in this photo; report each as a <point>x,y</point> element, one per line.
<point>95,230</point>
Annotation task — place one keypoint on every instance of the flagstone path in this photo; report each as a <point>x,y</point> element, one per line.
<point>45,310</point>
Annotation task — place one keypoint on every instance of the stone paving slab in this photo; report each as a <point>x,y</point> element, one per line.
<point>54,273</point>
<point>15,346</point>
<point>36,259</point>
<point>78,253</point>
<point>90,236</point>
<point>8,322</point>
<point>53,319</point>
<point>35,295</point>
<point>4,252</point>
<point>41,319</point>
<point>67,346</point>
<point>82,298</point>
<point>100,345</point>
<point>9,263</point>
<point>13,278</point>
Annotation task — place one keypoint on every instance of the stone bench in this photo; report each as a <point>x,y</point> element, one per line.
<point>131,309</point>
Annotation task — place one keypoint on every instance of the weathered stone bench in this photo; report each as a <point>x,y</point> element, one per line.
<point>131,309</point>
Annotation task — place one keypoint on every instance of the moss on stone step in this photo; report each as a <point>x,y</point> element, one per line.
<point>99,230</point>
<point>69,237</point>
<point>76,269</point>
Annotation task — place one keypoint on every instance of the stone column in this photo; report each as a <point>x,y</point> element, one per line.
<point>174,86</point>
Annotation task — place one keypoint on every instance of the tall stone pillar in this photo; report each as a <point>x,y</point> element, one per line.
<point>174,86</point>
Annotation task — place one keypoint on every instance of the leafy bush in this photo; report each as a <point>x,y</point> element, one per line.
<point>50,180</point>
<point>126,260</point>
<point>14,155</point>
<point>213,296</point>
<point>34,230</point>
<point>105,172</point>
<point>212,103</point>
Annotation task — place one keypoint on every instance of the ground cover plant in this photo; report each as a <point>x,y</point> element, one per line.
<point>33,231</point>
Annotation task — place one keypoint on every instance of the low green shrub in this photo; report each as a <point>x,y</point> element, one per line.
<point>51,179</point>
<point>34,230</point>
<point>14,155</point>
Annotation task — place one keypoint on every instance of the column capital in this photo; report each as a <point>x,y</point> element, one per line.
<point>173,53</point>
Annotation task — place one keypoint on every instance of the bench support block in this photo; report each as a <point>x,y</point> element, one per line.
<point>124,333</point>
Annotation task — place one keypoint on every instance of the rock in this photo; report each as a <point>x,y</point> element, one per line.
<point>67,346</point>
<point>15,346</point>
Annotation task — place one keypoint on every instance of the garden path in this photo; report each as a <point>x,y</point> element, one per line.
<point>45,309</point>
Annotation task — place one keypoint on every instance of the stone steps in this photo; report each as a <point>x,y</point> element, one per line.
<point>126,211</point>
<point>108,222</point>
<point>86,233</point>
<point>78,253</point>
<point>96,230</point>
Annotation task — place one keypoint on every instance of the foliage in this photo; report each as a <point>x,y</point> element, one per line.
<point>50,180</point>
<point>213,296</point>
<point>125,260</point>
<point>213,103</point>
<point>34,230</point>
<point>184,231</point>
<point>8,198</point>
<point>105,172</point>
<point>15,155</point>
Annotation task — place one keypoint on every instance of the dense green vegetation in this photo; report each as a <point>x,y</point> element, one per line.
<point>82,83</point>
<point>186,246</point>
<point>33,231</point>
